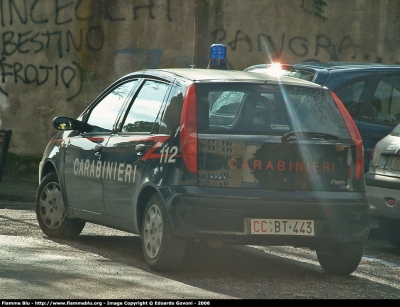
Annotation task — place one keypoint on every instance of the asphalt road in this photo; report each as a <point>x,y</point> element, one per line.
<point>108,264</point>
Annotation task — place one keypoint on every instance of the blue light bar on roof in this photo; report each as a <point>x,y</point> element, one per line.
<point>217,56</point>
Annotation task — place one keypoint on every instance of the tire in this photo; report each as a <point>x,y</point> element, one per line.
<point>341,259</point>
<point>162,250</point>
<point>50,211</point>
<point>390,230</point>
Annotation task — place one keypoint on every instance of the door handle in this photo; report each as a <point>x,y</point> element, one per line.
<point>97,149</point>
<point>140,149</point>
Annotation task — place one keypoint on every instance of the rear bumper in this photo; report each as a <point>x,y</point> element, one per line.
<point>225,214</point>
<point>380,189</point>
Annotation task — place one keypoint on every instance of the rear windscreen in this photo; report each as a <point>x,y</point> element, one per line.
<point>237,108</point>
<point>299,74</point>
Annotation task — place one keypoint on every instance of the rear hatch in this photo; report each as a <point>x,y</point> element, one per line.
<point>272,136</point>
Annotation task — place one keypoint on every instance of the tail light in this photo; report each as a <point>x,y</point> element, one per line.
<point>355,136</point>
<point>188,134</point>
<point>373,153</point>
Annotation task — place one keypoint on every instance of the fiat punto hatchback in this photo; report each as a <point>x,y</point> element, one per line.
<point>224,157</point>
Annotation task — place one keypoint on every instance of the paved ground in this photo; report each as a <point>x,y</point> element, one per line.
<point>33,266</point>
<point>104,263</point>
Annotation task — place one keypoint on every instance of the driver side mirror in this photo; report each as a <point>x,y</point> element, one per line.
<point>66,123</point>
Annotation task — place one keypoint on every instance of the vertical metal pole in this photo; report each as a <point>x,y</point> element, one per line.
<point>6,136</point>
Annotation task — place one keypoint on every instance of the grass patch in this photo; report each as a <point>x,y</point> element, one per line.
<point>21,168</point>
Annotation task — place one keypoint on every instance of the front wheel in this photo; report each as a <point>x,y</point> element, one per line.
<point>50,210</point>
<point>162,249</point>
<point>341,259</point>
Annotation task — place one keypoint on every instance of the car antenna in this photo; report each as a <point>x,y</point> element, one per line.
<point>194,35</point>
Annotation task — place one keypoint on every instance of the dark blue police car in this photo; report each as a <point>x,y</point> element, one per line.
<point>227,157</point>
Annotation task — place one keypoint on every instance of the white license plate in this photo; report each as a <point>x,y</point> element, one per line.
<point>392,163</point>
<point>282,227</point>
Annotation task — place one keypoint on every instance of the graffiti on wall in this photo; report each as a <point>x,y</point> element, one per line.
<point>299,46</point>
<point>46,36</point>
<point>38,39</point>
<point>283,48</point>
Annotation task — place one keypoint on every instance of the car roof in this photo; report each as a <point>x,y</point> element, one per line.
<point>213,75</point>
<point>330,74</point>
<point>345,65</point>
<point>331,65</point>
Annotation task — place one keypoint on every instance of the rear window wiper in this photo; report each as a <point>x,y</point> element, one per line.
<point>307,135</point>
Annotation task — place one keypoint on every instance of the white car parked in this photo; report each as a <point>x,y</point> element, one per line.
<point>383,186</point>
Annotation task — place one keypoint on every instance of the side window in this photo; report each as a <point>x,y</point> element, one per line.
<point>352,95</point>
<point>171,118</point>
<point>386,100</point>
<point>105,113</point>
<point>145,107</point>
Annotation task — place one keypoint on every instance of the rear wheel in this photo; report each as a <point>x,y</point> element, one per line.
<point>341,259</point>
<point>50,210</point>
<point>390,230</point>
<point>163,251</point>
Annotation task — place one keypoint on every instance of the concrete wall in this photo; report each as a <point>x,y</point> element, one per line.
<point>57,55</point>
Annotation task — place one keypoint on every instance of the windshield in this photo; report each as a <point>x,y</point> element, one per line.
<point>267,109</point>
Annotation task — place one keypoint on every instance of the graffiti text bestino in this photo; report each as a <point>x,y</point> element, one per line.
<point>55,38</point>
